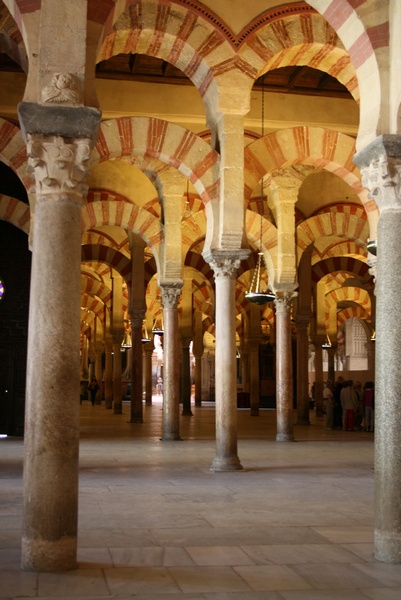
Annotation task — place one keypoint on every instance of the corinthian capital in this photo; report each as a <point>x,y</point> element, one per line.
<point>170,296</point>
<point>60,166</point>
<point>380,165</point>
<point>283,301</point>
<point>225,263</point>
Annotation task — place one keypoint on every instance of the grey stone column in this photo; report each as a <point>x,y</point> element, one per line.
<point>117,374</point>
<point>50,501</point>
<point>225,269</point>
<point>331,373</point>
<point>108,374</point>
<point>186,378</point>
<point>98,374</point>
<point>171,371</point>
<point>254,386</point>
<point>318,341</point>
<point>284,379</point>
<point>302,372</point>
<point>148,350</point>
<point>136,367</point>
<point>380,164</point>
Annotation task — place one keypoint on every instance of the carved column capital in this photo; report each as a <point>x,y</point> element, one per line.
<point>380,165</point>
<point>170,296</point>
<point>60,166</point>
<point>225,264</point>
<point>283,301</point>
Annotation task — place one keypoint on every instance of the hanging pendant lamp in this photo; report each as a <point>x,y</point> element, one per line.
<point>326,344</point>
<point>157,329</point>
<point>145,335</point>
<point>256,293</point>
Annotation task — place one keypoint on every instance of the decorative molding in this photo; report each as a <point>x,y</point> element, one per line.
<point>236,40</point>
<point>59,167</point>
<point>62,88</point>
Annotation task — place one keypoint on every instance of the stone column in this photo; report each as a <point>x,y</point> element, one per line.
<point>186,377</point>
<point>331,373</point>
<point>108,374</point>
<point>148,349</point>
<point>254,387</point>
<point>136,369</point>
<point>302,372</point>
<point>50,502</point>
<point>197,349</point>
<point>85,358</point>
<point>284,381</point>
<point>171,371</point>
<point>318,341</point>
<point>117,374</point>
<point>380,164</point>
<point>225,267</point>
<point>98,373</point>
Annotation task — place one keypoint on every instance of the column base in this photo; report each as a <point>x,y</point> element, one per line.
<point>187,413</point>
<point>387,547</point>
<point>49,557</point>
<point>136,420</point>
<point>231,463</point>
<point>118,410</point>
<point>284,437</point>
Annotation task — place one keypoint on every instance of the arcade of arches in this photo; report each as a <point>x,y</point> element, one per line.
<point>152,148</point>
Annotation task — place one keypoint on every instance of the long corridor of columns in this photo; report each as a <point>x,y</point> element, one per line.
<point>141,203</point>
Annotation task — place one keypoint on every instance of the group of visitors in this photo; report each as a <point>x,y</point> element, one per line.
<point>348,406</point>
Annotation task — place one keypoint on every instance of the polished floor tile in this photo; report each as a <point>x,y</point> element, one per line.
<point>156,524</point>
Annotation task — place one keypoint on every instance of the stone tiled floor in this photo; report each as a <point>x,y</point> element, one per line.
<point>155,523</point>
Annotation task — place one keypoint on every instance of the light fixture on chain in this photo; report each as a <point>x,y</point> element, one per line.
<point>157,328</point>
<point>326,344</point>
<point>256,293</point>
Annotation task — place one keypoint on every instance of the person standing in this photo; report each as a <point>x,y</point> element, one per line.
<point>93,388</point>
<point>349,403</point>
<point>368,402</point>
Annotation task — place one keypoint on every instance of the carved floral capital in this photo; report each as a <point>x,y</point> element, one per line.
<point>170,296</point>
<point>60,166</point>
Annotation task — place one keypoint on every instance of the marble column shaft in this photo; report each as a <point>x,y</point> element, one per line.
<point>284,379</point>
<point>302,374</point>
<point>226,458</point>
<point>136,368</point>
<point>148,350</point>
<point>50,500</point>
<point>108,374</point>
<point>117,375</point>
<point>186,379</point>
<point>171,371</point>
<point>380,164</point>
<point>254,379</point>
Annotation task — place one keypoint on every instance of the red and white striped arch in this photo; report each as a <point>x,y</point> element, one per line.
<point>15,212</point>
<point>301,39</point>
<point>330,224</point>
<point>344,264</point>
<point>125,215</point>
<point>363,28</point>
<point>352,311</point>
<point>350,294</point>
<point>314,146</point>
<point>109,256</point>
<point>93,287</point>
<point>171,144</point>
